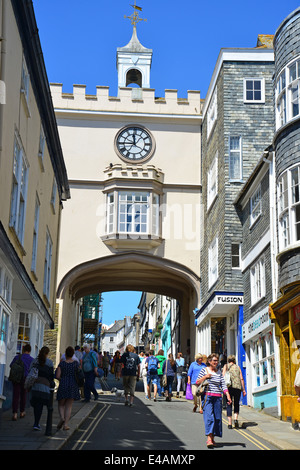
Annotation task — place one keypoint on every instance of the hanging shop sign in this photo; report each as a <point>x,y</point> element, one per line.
<point>256,325</point>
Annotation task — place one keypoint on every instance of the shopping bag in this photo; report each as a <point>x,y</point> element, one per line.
<point>188,394</point>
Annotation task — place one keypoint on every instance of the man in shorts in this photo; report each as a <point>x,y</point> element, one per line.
<point>152,365</point>
<point>130,372</point>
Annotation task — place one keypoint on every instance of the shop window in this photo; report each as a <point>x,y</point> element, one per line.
<point>23,331</point>
<point>263,360</point>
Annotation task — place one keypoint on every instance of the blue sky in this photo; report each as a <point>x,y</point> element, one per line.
<point>117,305</point>
<point>79,41</point>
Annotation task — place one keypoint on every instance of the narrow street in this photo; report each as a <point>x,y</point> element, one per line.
<point>153,426</point>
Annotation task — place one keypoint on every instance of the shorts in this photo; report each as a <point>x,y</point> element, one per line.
<point>153,378</point>
<point>129,383</point>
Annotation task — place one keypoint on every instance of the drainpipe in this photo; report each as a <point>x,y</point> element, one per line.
<point>3,63</point>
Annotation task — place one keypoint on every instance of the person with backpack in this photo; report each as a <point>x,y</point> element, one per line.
<point>152,365</point>
<point>161,357</point>
<point>130,371</point>
<point>20,366</point>
<point>89,367</point>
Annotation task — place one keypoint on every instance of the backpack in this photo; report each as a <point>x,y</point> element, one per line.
<point>152,365</point>
<point>16,374</point>
<point>87,363</point>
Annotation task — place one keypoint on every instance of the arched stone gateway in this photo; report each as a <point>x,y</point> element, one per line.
<point>134,170</point>
<point>128,271</point>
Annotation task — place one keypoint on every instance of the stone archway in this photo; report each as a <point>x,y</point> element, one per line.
<point>128,271</point>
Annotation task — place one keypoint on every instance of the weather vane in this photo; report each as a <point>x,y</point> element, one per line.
<point>135,18</point>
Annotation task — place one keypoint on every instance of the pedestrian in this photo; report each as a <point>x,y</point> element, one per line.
<point>181,373</point>
<point>212,399</point>
<point>130,372</point>
<point>142,356</point>
<point>235,388</point>
<point>40,392</point>
<point>105,364</point>
<point>117,365</point>
<point>169,368</point>
<point>152,365</point>
<point>68,390</point>
<point>89,367</point>
<point>78,354</point>
<point>143,374</point>
<point>19,392</point>
<point>192,377</point>
<point>161,358</point>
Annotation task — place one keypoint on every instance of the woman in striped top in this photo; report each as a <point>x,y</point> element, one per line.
<point>212,402</point>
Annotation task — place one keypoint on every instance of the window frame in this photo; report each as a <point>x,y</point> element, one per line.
<point>288,80</point>
<point>150,213</point>
<point>213,268</point>
<point>258,281</point>
<point>262,90</point>
<point>47,265</point>
<point>212,182</point>
<point>35,234</point>
<point>19,189</point>
<point>254,205</point>
<point>288,203</point>
<point>212,112</point>
<point>232,156</point>
<point>234,256</point>
<point>258,360</point>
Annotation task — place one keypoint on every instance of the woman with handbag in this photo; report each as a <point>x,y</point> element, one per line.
<point>235,382</point>
<point>212,400</point>
<point>169,371</point>
<point>40,392</point>
<point>68,389</point>
<point>192,376</point>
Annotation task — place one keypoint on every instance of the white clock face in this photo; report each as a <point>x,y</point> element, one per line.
<point>134,144</point>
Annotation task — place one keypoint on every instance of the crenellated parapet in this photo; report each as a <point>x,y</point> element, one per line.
<point>135,100</point>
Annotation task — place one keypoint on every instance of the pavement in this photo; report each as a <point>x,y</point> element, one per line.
<point>19,435</point>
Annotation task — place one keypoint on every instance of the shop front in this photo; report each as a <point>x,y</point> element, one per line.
<point>285,314</point>
<point>261,364</point>
<point>218,325</point>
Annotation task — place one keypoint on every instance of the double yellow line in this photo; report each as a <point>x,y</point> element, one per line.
<point>90,429</point>
<point>252,439</point>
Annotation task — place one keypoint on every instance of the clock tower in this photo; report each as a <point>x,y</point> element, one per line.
<point>134,169</point>
<point>134,60</point>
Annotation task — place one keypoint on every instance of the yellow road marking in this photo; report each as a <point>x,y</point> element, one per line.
<point>90,429</point>
<point>250,438</point>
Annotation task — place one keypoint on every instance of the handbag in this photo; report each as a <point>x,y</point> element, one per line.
<point>227,378</point>
<point>79,377</point>
<point>31,377</point>
<point>188,393</point>
<point>202,387</point>
<point>164,379</point>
